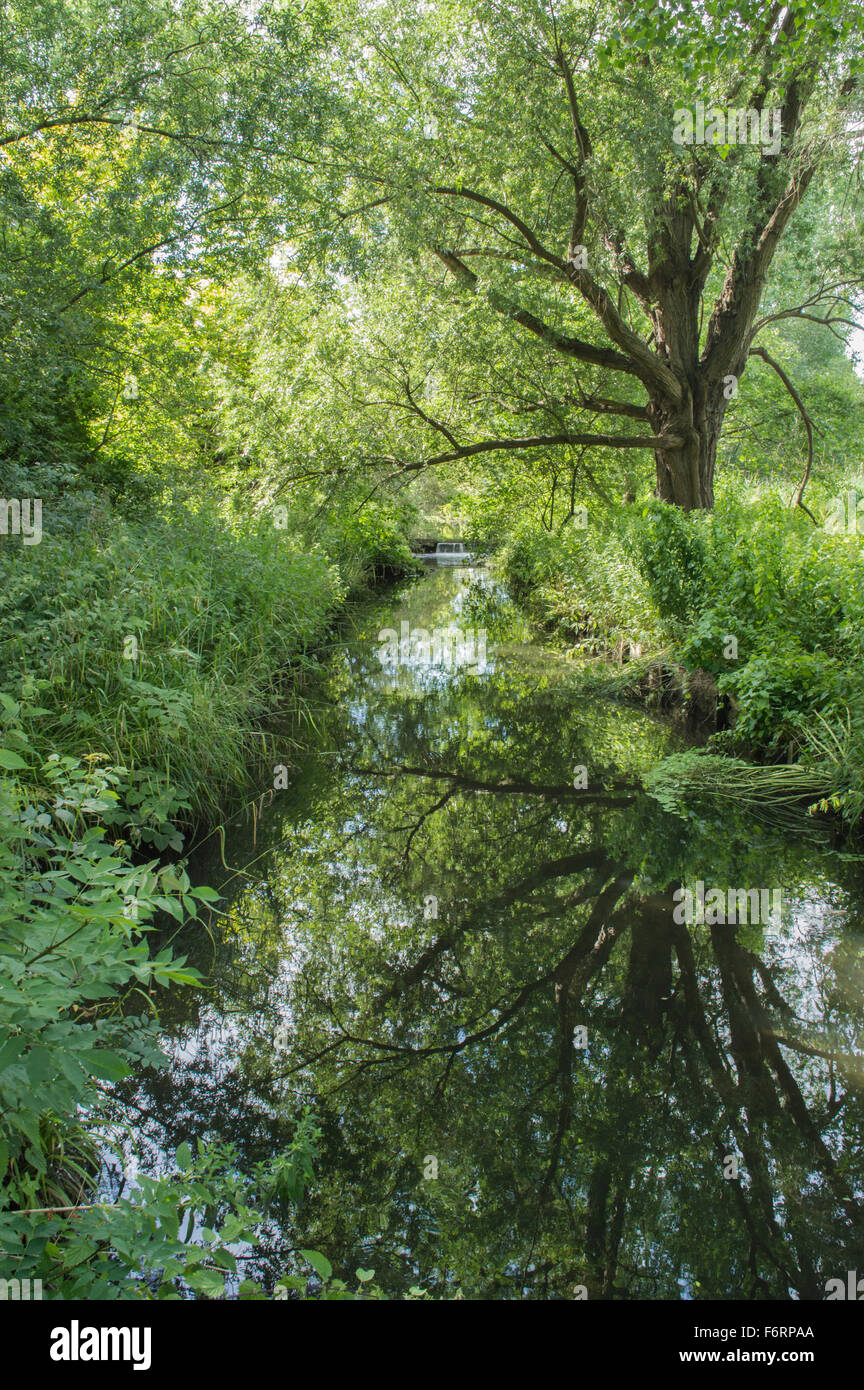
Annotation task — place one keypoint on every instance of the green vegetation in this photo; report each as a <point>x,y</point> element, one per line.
<point>284,285</point>
<point>767,605</point>
<point>159,644</point>
<point>140,657</point>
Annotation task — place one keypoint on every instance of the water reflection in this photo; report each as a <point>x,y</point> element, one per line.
<point>530,1077</point>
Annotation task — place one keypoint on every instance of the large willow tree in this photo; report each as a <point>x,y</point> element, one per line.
<point>530,154</point>
<point>465,174</point>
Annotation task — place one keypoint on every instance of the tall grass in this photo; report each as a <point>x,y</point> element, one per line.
<point>157,645</point>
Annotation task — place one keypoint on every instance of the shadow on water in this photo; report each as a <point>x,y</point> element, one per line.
<point>463,952</point>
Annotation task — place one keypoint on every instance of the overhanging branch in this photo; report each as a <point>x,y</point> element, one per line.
<point>564,343</point>
<point>797,496</point>
<point>549,441</point>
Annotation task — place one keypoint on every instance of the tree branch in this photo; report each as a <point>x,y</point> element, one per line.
<point>796,499</point>
<point>548,441</point>
<point>564,343</point>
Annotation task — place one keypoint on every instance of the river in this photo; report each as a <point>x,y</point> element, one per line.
<point>452,935</point>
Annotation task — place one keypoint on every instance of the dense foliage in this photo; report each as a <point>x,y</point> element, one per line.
<point>283,286</point>
<point>769,606</point>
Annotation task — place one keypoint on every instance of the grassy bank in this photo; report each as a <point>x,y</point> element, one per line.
<point>140,658</point>
<point>157,646</point>
<point>752,608</point>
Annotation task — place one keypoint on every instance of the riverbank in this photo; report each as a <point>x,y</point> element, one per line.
<point>156,645</point>
<point>454,937</point>
<point>141,657</point>
<point>747,620</point>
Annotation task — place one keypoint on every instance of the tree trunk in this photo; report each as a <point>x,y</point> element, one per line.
<point>685,476</point>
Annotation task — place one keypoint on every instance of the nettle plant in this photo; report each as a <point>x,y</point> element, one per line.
<point>75,911</point>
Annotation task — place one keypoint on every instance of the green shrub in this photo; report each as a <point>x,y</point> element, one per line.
<point>670,552</point>
<point>75,911</point>
<point>583,583</point>
<point>752,592</point>
<point>777,692</point>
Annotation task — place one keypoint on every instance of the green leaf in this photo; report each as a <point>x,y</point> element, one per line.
<point>209,1282</point>
<point>105,1064</point>
<point>250,1290</point>
<point>11,761</point>
<point>28,1123</point>
<point>207,895</point>
<point>11,1051</point>
<point>39,1065</point>
<point>319,1263</point>
<point>183,1157</point>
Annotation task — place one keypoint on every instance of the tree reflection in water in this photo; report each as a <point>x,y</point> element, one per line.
<point>451,1042</point>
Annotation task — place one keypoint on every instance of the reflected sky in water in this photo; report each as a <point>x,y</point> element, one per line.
<point>422,931</point>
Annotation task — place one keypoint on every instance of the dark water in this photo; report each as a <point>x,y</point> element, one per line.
<point>432,921</point>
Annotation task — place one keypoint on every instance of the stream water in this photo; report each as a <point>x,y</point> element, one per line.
<point>453,935</point>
